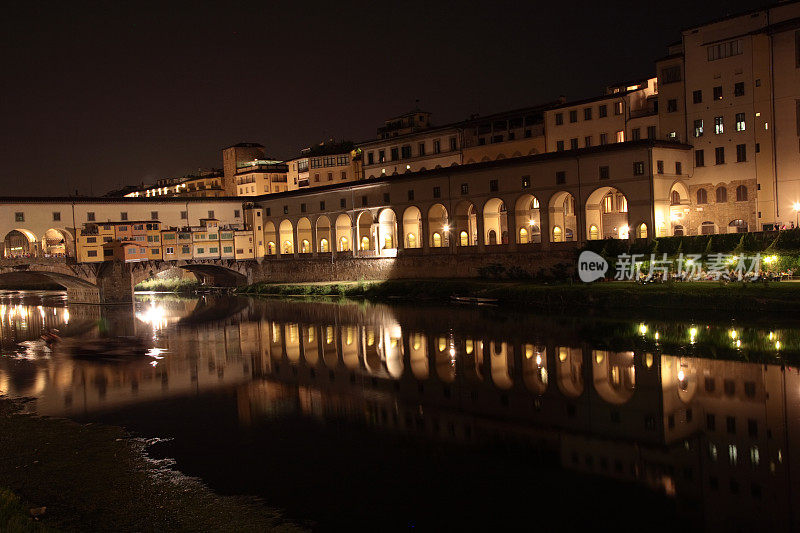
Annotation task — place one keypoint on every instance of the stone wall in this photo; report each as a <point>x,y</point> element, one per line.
<point>410,265</point>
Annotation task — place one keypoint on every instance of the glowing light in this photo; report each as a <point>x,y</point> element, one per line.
<point>539,359</point>
<point>681,375</point>
<point>692,334</point>
<point>452,352</point>
<point>738,343</point>
<point>777,345</point>
<point>408,167</point>
<point>690,262</point>
<point>732,333</point>
<point>796,206</point>
<point>531,222</point>
<point>446,227</point>
<point>643,329</point>
<point>771,335</point>
<point>770,259</point>
<point>656,335</point>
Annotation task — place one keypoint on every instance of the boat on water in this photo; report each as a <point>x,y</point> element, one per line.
<point>472,300</point>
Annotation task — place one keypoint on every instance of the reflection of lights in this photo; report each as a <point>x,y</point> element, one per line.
<point>643,329</point>
<point>777,345</point>
<point>539,359</point>
<point>732,333</point>
<point>648,360</point>
<point>154,315</point>
<point>738,343</point>
<point>452,352</point>
<point>66,316</point>
<point>692,334</point>
<point>598,358</point>
<point>681,375</point>
<point>771,335</point>
<point>656,335</point>
<point>446,227</point>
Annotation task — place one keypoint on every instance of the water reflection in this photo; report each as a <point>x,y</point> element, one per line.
<point>621,400</point>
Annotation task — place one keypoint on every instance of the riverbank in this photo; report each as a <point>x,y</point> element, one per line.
<point>90,477</point>
<point>773,297</point>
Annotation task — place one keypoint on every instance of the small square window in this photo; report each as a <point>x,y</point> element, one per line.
<point>386,198</point>
<point>638,168</point>
<point>342,203</point>
<point>697,97</point>
<point>19,217</point>
<point>364,200</point>
<point>437,192</point>
<point>90,216</point>
<point>604,173</point>
<point>302,208</point>
<point>56,216</point>
<point>493,185</point>
<point>561,177</point>
<point>322,205</point>
<point>153,215</point>
<point>286,210</point>
<point>184,215</point>
<point>660,167</point>
<point>410,195</point>
<point>526,182</point>
<point>464,188</point>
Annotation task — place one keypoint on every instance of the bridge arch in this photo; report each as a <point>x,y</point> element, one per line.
<point>58,242</point>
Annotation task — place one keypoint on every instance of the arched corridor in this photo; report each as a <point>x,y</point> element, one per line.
<point>412,227</point>
<point>438,227</point>
<point>304,236</point>
<point>466,224</point>
<point>271,238</point>
<point>58,243</point>
<point>563,223</point>
<point>607,214</point>
<point>343,233</point>
<point>365,234</point>
<point>20,243</point>
<point>323,234</point>
<point>286,238</point>
<point>528,220</point>
<point>387,231</point>
<point>495,222</point>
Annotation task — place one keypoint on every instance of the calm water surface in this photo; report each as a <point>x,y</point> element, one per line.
<point>375,417</point>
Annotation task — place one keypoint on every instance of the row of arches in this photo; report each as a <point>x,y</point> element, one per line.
<point>54,242</point>
<point>606,217</point>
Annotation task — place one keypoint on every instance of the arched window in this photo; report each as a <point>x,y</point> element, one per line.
<point>463,238</point>
<point>323,245</point>
<point>365,243</point>
<point>741,193</point>
<point>675,198</point>
<point>437,240</point>
<point>287,247</point>
<point>534,204</point>
<point>412,240</point>
<point>524,238</point>
<point>557,235</point>
<point>739,224</point>
<point>492,237</point>
<point>642,231</point>
<point>722,195</point>
<point>678,230</point>
<point>707,228</point>
<point>304,247</point>
<point>270,248</point>
<point>608,203</point>
<point>702,196</point>
<point>387,242</point>
<point>594,233</point>
<point>344,244</point>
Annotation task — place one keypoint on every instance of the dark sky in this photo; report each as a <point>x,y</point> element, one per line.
<point>95,95</point>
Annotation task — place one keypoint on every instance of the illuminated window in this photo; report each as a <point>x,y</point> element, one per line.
<point>557,235</point>
<point>719,125</point>
<point>643,231</point>
<point>620,136</point>
<point>323,245</point>
<point>365,243</point>
<point>463,238</point>
<point>437,240</point>
<point>740,122</point>
<point>412,240</point>
<point>608,204</point>
<point>594,233</point>
<point>523,236</point>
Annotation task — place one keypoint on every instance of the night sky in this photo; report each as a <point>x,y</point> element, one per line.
<point>98,95</point>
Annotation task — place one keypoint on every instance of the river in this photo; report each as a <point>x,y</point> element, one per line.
<point>370,416</point>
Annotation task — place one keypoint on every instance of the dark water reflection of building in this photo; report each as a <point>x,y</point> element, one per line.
<point>717,436</point>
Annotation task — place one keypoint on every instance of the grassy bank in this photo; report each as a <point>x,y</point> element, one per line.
<point>95,478</point>
<point>168,285</point>
<point>772,297</point>
<point>15,517</point>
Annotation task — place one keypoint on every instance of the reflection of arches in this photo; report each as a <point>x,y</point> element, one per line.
<point>343,232</point>
<point>350,347</point>
<point>387,229</point>
<point>304,235</point>
<point>271,236</point>
<point>607,208</point>
<point>323,234</point>
<point>330,353</point>
<point>19,243</point>
<point>527,218</point>
<point>466,224</point>
<point>412,226</point>
<point>418,355</point>
<point>569,371</point>
<point>495,222</point>
<point>438,225</point>
<point>445,363</point>
<point>562,216</point>
<point>501,364</point>
<point>287,237</point>
<point>614,375</point>
<point>534,368</point>
<point>364,225</point>
<point>393,351</point>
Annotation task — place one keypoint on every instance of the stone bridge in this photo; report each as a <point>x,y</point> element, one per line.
<point>113,282</point>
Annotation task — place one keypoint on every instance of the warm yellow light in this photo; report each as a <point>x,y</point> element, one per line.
<point>643,329</point>
<point>538,359</point>
<point>796,206</point>
<point>732,333</point>
<point>681,375</point>
<point>531,222</point>
<point>738,343</point>
<point>771,335</point>
<point>446,227</point>
<point>777,345</point>
<point>656,335</point>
